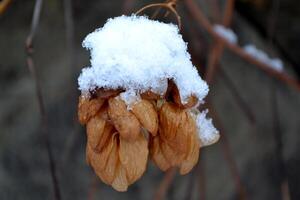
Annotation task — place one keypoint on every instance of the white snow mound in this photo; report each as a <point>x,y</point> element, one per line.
<point>207,133</point>
<point>274,63</point>
<point>136,53</point>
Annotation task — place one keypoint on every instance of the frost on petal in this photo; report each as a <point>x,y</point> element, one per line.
<point>208,134</point>
<point>136,53</point>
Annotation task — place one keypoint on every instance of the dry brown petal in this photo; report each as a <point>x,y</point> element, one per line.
<point>147,115</point>
<point>104,163</point>
<point>88,108</point>
<point>174,157</point>
<point>124,121</point>
<point>149,95</point>
<point>191,102</point>
<point>107,93</point>
<point>169,118</point>
<point>193,155</point>
<point>133,157</point>
<point>108,174</point>
<point>120,182</point>
<point>177,127</point>
<point>95,129</point>
<point>157,155</point>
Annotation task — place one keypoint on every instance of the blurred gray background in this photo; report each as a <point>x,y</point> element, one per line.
<point>265,152</point>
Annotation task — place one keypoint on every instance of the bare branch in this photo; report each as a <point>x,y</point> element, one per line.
<point>32,70</point>
<point>165,184</point>
<point>202,20</point>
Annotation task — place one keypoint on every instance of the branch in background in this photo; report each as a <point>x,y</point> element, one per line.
<point>218,47</point>
<point>203,22</point>
<point>165,184</point>
<point>240,101</point>
<point>32,70</point>
<point>202,179</point>
<point>228,155</point>
<point>190,185</point>
<point>4,4</point>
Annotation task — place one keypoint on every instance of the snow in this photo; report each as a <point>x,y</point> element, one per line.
<point>138,54</point>
<point>226,33</point>
<point>274,63</point>
<point>207,133</point>
<point>130,97</point>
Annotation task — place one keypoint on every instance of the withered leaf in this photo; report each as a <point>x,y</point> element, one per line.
<point>95,130</point>
<point>124,121</point>
<point>192,157</point>
<point>191,102</point>
<point>88,108</point>
<point>120,182</point>
<point>157,155</point>
<point>147,115</point>
<point>133,157</point>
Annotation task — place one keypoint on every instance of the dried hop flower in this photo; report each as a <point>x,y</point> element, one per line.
<point>139,95</point>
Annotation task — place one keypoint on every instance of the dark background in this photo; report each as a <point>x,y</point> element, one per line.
<point>260,158</point>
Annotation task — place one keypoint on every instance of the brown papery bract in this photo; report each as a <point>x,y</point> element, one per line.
<point>124,121</point>
<point>146,113</point>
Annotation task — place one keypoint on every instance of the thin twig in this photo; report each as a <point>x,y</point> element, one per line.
<point>202,179</point>
<point>203,22</point>
<point>165,184</point>
<point>32,70</point>
<point>218,47</point>
<point>169,5</point>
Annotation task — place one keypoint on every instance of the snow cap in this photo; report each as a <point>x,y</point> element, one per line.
<point>136,53</point>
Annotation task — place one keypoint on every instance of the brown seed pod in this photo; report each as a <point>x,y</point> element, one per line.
<point>191,102</point>
<point>120,182</point>
<point>106,93</point>
<point>105,162</point>
<point>124,121</point>
<point>145,112</point>
<point>133,157</point>
<point>173,124</point>
<point>156,154</point>
<point>149,95</point>
<point>192,157</point>
<point>88,108</point>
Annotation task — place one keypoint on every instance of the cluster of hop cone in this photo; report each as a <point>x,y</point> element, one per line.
<point>120,140</point>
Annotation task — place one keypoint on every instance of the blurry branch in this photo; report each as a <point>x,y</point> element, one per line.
<point>170,5</point>
<point>203,22</point>
<point>202,179</point>
<point>165,184</point>
<point>32,70</point>
<point>92,188</point>
<point>190,185</point>
<point>218,47</point>
<point>228,155</point>
<point>240,101</point>
<point>4,5</point>
<point>215,10</point>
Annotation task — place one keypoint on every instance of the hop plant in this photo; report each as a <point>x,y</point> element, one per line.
<point>136,108</point>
